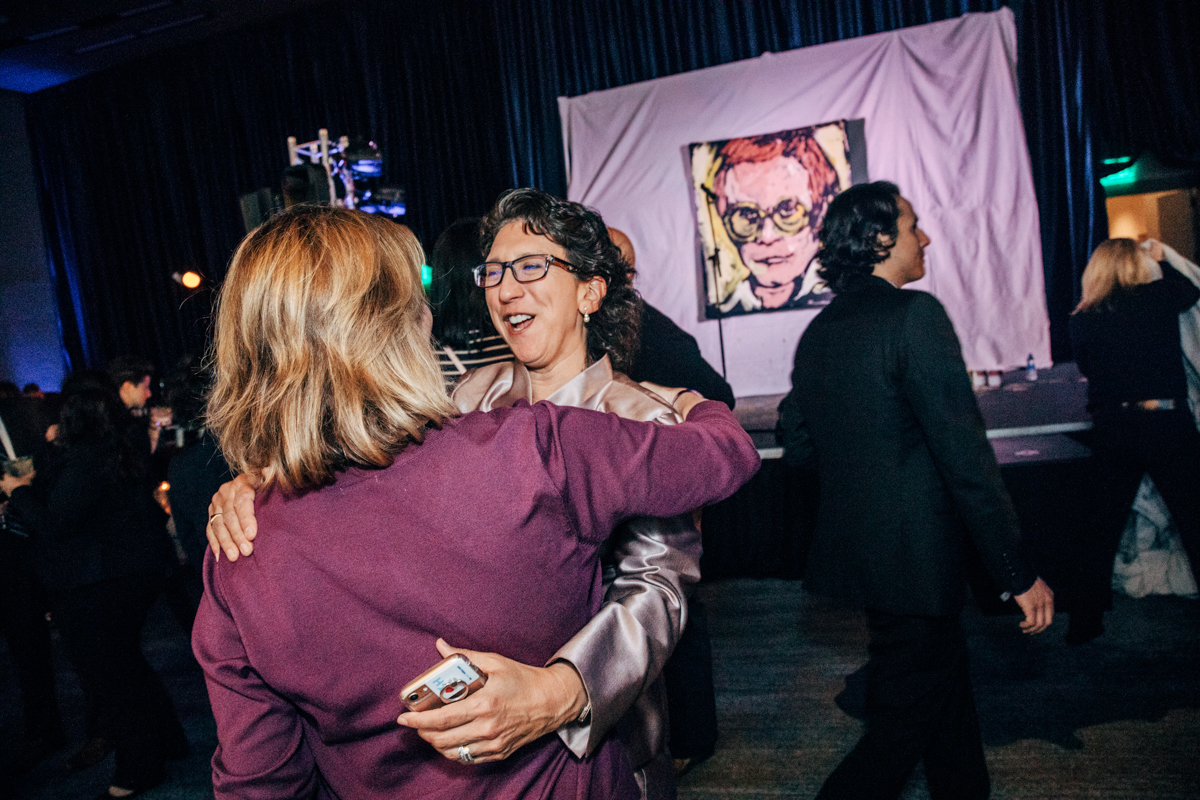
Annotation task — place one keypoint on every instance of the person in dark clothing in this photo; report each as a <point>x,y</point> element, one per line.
<point>463,334</point>
<point>195,473</point>
<point>23,607</point>
<point>133,377</point>
<point>103,564</point>
<point>23,602</point>
<point>882,404</point>
<point>1125,333</point>
<point>668,355</point>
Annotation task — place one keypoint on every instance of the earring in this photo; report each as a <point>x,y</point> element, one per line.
<point>586,318</point>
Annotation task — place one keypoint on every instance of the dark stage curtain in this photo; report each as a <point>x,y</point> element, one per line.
<point>141,166</point>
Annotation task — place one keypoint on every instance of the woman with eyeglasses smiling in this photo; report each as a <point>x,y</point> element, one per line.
<point>561,294</point>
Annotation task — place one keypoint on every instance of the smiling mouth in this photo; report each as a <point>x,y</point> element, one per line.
<point>518,322</point>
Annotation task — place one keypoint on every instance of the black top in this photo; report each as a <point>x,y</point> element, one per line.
<point>87,523</point>
<point>195,474</point>
<point>1129,347</point>
<point>26,420</point>
<point>670,357</point>
<point>882,403</point>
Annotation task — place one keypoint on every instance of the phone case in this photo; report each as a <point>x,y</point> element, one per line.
<point>447,681</point>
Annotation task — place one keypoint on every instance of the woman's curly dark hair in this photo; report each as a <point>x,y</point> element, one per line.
<point>615,327</point>
<point>858,232</point>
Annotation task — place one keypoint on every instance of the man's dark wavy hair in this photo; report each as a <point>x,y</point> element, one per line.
<point>858,232</point>
<point>616,327</point>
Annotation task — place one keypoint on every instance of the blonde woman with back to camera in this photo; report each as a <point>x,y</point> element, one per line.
<point>392,522</point>
<point>1125,334</point>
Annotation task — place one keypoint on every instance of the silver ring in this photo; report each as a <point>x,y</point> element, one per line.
<point>464,754</point>
<point>211,517</point>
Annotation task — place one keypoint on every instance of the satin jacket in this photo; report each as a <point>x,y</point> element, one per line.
<point>649,565</point>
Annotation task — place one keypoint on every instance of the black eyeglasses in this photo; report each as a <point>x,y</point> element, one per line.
<point>526,269</point>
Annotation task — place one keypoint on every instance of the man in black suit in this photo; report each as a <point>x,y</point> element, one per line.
<point>667,354</point>
<point>882,405</point>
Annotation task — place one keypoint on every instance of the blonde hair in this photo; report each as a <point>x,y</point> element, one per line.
<point>1115,263</point>
<point>319,357</point>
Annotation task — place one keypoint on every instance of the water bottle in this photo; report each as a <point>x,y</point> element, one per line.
<point>1030,369</point>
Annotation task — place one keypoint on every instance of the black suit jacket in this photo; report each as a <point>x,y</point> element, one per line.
<point>882,403</point>
<point>670,357</point>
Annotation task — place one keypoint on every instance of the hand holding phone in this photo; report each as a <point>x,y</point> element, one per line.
<point>447,681</point>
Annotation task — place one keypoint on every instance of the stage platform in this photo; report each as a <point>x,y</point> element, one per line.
<point>1026,420</point>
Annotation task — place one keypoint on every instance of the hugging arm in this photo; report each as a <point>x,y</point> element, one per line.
<point>620,651</point>
<point>645,612</point>
<point>653,562</point>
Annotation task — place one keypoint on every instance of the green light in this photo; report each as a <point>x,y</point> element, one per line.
<point>1121,160</point>
<point>426,275</point>
<point>1122,178</point>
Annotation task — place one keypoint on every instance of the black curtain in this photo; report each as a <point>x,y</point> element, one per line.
<point>141,166</point>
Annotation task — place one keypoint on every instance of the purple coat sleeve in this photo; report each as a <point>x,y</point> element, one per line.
<point>609,469</point>
<point>261,751</point>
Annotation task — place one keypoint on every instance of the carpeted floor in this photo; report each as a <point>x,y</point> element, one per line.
<point>1115,719</point>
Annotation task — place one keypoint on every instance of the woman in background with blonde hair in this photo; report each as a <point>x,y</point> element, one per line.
<point>1125,334</point>
<point>395,523</point>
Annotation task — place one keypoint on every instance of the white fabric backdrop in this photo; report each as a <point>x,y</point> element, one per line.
<point>942,121</point>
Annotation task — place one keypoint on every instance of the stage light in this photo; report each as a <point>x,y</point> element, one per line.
<point>363,158</point>
<point>388,200</point>
<point>188,280</point>
<point>351,169</point>
<point>426,276</point>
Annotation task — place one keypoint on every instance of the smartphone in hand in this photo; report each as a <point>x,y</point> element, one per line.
<point>448,681</point>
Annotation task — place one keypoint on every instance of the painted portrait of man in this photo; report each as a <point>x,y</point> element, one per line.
<point>759,204</point>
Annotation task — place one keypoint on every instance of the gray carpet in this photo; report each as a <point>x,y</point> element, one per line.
<point>1115,719</point>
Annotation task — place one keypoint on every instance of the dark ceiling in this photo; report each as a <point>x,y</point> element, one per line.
<point>44,43</point>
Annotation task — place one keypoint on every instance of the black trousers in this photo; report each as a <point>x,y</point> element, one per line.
<point>102,624</point>
<point>23,608</point>
<point>691,697</point>
<point>1127,445</point>
<point>919,708</point>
